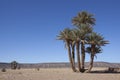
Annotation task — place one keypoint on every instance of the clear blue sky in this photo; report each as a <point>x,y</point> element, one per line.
<point>28,28</point>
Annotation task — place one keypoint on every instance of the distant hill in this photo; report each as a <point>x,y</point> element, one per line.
<point>58,65</point>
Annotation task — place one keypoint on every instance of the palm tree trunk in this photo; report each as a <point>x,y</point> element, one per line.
<point>91,63</point>
<point>78,56</point>
<point>92,58</point>
<point>70,56</point>
<point>82,57</point>
<point>73,56</point>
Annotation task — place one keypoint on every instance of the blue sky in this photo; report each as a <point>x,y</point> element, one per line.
<point>28,28</point>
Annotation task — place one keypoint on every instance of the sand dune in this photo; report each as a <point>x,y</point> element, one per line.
<point>56,74</point>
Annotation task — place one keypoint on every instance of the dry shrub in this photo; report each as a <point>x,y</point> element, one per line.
<point>3,70</point>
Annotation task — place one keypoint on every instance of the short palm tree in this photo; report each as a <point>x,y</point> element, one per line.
<point>97,49</point>
<point>65,35</point>
<point>96,41</point>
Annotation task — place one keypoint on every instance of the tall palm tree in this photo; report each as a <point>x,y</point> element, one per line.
<point>76,37</point>
<point>83,20</point>
<point>65,35</point>
<point>85,30</point>
<point>95,40</point>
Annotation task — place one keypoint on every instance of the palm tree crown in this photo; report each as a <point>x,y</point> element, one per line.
<point>65,35</point>
<point>83,18</point>
<point>96,39</point>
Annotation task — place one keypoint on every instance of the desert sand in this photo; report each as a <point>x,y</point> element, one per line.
<point>56,74</point>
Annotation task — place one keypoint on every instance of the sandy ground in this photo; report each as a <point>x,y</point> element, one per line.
<point>55,74</point>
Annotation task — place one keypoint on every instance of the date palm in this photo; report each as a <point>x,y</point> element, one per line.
<point>96,49</point>
<point>96,41</point>
<point>76,37</point>
<point>83,21</point>
<point>85,30</point>
<point>65,35</point>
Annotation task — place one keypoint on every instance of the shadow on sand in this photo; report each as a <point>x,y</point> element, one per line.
<point>109,70</point>
<point>105,72</point>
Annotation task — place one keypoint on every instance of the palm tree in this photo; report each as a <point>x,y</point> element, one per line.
<point>83,21</point>
<point>79,37</point>
<point>65,35</point>
<point>95,40</point>
<point>76,37</point>
<point>96,50</point>
<point>85,30</point>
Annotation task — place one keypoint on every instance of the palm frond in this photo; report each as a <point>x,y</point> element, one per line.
<point>98,49</point>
